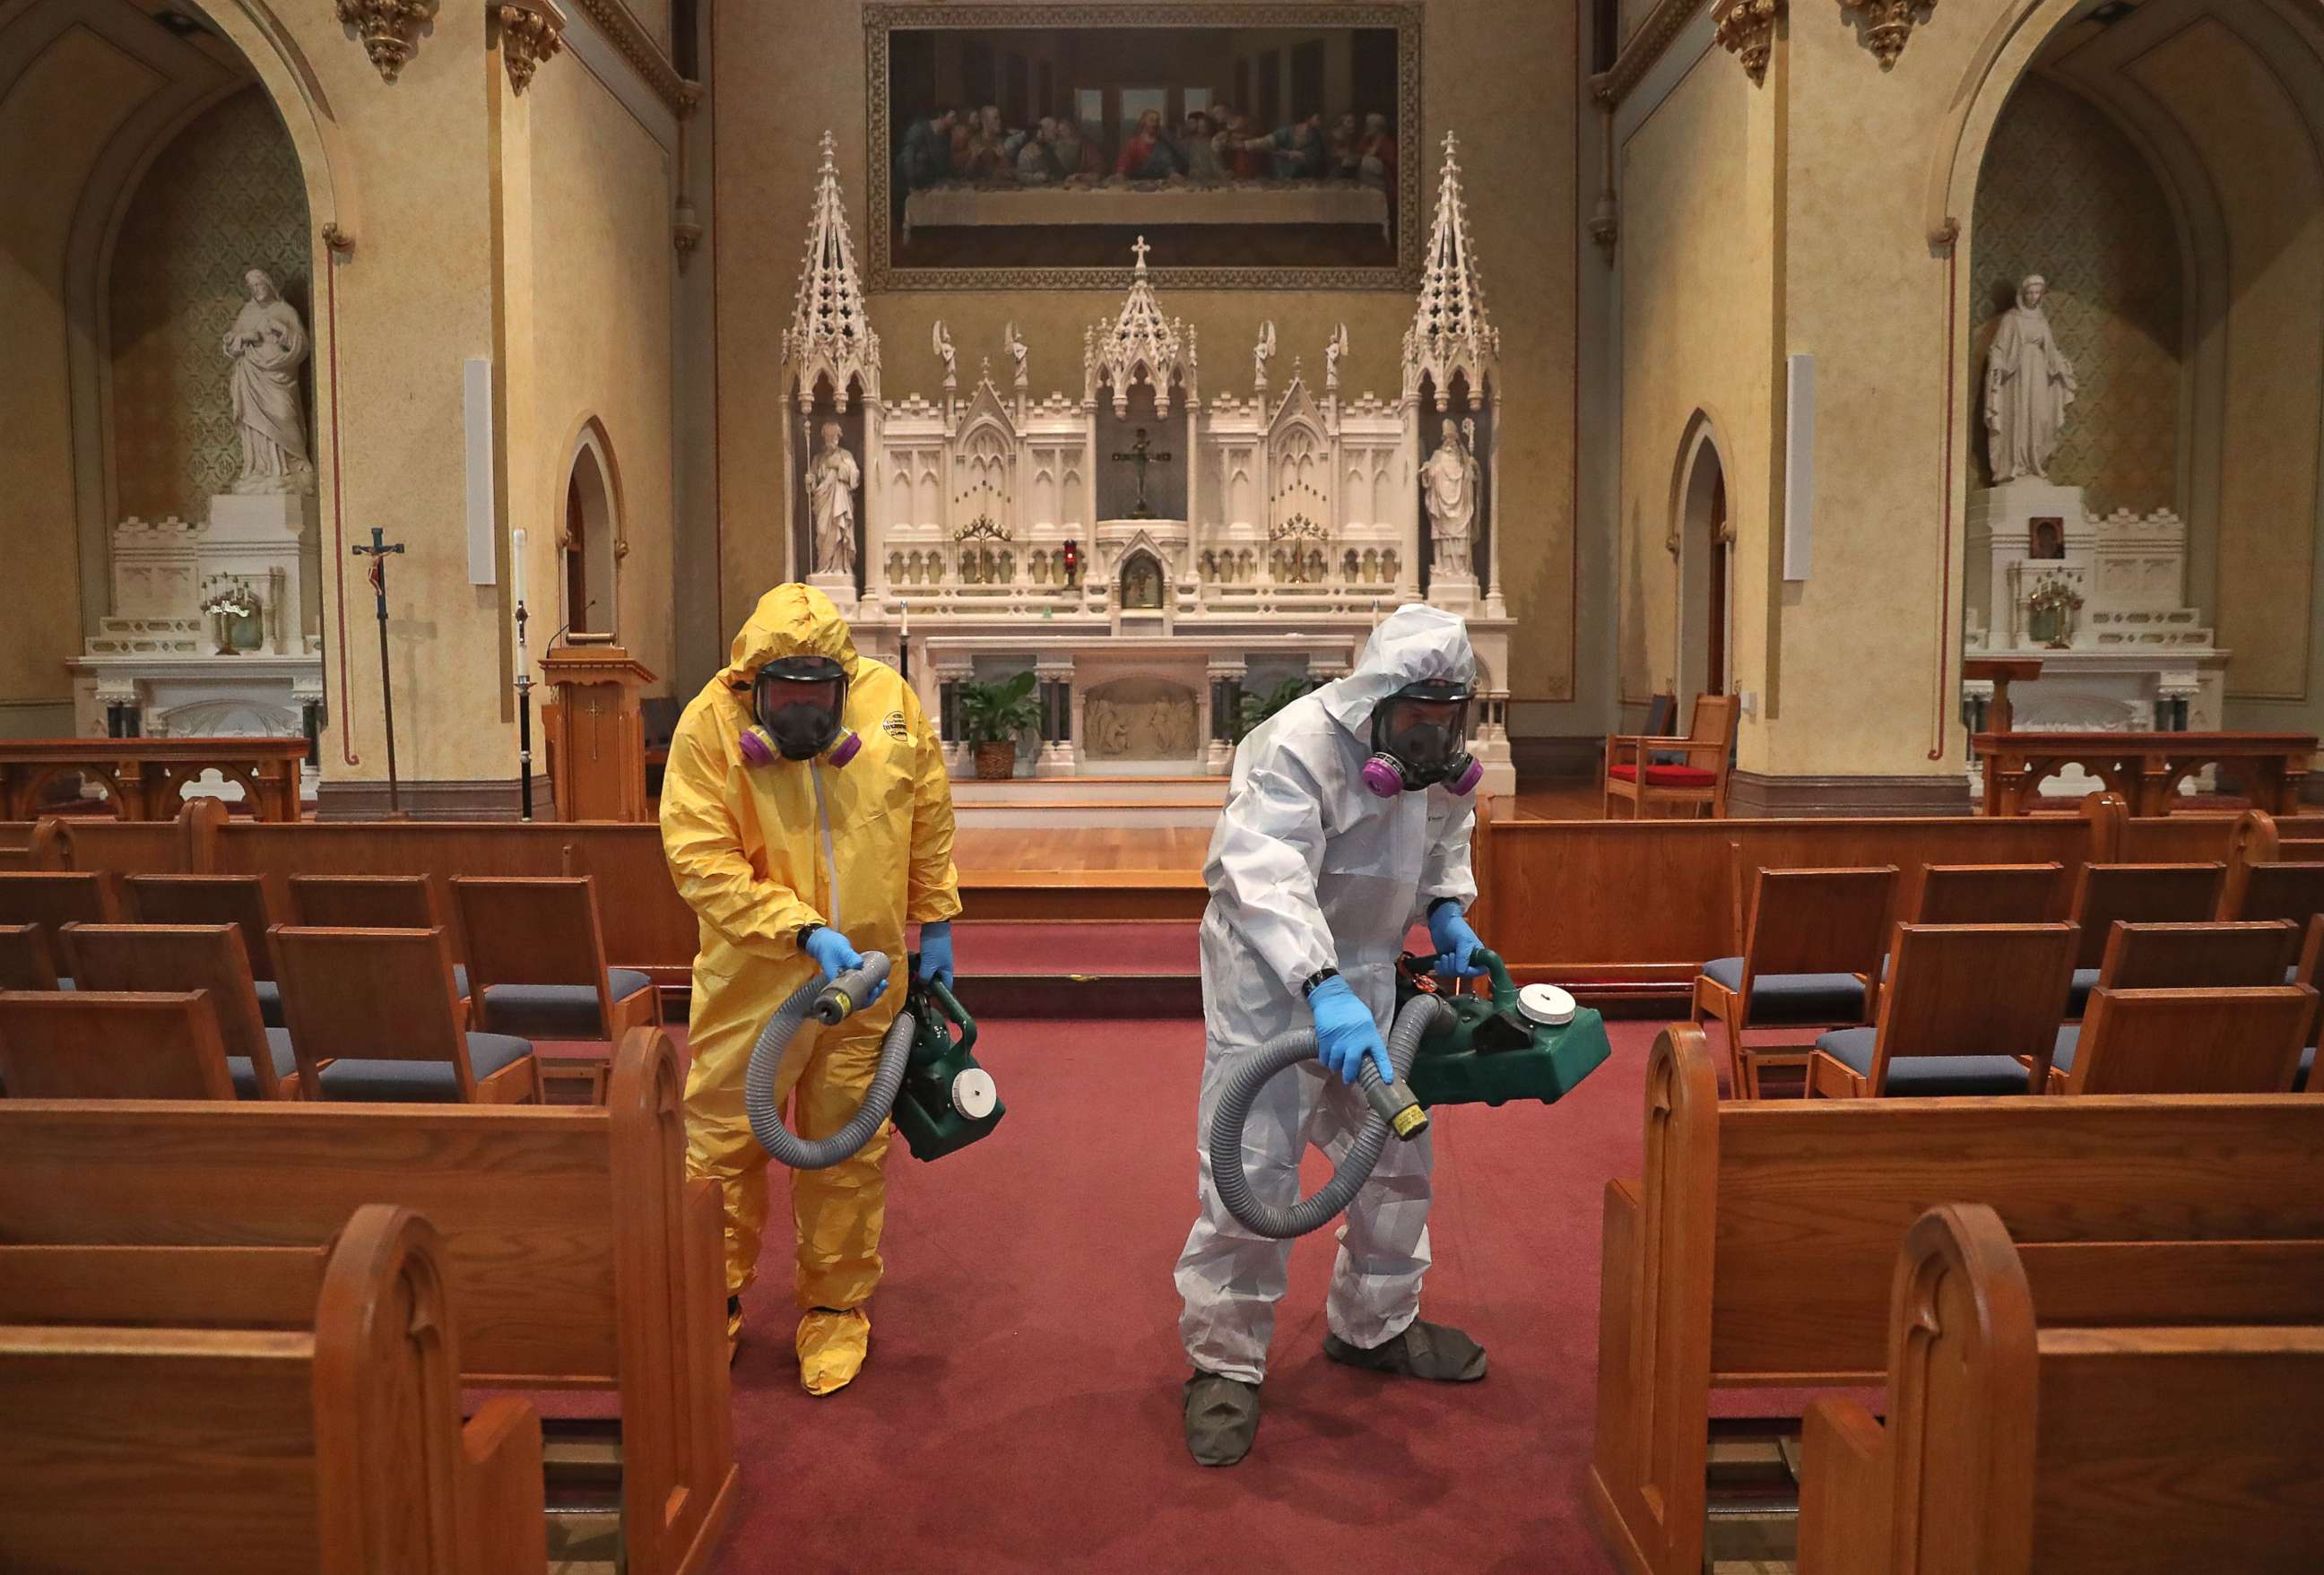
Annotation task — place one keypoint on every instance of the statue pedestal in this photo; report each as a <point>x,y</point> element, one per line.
<point>1455,592</point>
<point>840,588</point>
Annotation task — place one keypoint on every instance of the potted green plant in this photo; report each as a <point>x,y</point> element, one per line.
<point>992,715</point>
<point>1251,710</point>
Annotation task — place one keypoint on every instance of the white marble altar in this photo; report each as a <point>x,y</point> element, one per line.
<point>1136,541</point>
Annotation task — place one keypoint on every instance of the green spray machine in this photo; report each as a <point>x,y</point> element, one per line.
<point>947,1101</point>
<point>1494,1048</point>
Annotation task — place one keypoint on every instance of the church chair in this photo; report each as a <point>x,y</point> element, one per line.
<point>2310,973</point>
<point>243,901</point>
<point>1701,781</point>
<point>53,899</point>
<point>2276,891</point>
<point>316,1427</point>
<point>2183,956</point>
<point>2137,894</point>
<point>371,902</point>
<point>189,957</point>
<point>372,1015</point>
<point>26,961</point>
<point>1968,1009</point>
<point>1989,894</point>
<point>2192,1041</point>
<point>92,1044</point>
<point>535,966</point>
<point>1811,960</point>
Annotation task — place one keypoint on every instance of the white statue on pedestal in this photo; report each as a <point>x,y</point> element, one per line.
<point>2028,384</point>
<point>266,346</point>
<point>1448,482</point>
<point>832,479</point>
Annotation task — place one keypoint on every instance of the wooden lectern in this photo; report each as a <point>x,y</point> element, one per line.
<point>596,736</point>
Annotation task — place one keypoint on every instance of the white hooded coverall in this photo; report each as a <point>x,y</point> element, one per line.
<point>1308,870</point>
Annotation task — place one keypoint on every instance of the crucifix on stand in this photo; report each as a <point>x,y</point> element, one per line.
<point>1139,454</point>
<point>377,552</point>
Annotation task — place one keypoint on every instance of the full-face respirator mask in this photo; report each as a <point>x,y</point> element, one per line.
<point>796,703</point>
<point>1419,739</point>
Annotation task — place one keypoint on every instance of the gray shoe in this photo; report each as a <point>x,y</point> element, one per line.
<point>1222,1418</point>
<point>1424,1351</point>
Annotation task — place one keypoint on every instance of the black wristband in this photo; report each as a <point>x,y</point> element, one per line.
<point>1440,902</point>
<point>799,935</point>
<point>1307,985</point>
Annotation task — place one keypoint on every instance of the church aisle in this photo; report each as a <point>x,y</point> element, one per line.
<point>1020,1410</point>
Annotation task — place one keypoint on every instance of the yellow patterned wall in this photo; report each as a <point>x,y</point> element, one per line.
<point>2066,195</point>
<point>223,197</point>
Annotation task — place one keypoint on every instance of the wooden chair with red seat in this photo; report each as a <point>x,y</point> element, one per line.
<point>26,960</point>
<point>2183,956</point>
<point>1811,960</point>
<point>372,1015</point>
<point>2192,1041</point>
<point>181,958</point>
<point>535,966</point>
<point>244,901</point>
<point>1697,777</point>
<point>51,900</point>
<point>2136,894</point>
<point>99,1045</point>
<point>1968,1009</point>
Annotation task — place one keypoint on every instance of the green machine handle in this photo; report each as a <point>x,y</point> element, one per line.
<point>1505,989</point>
<point>946,1003</point>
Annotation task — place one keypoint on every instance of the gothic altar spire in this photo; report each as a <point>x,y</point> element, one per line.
<point>1139,341</point>
<point>830,335</point>
<point>1450,332</point>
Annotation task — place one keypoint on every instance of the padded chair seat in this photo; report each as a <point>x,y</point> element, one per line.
<point>422,1082</point>
<point>1925,1076</point>
<point>558,1011</point>
<point>2070,1040</point>
<point>1793,999</point>
<point>245,1077</point>
<point>2077,994</point>
<point>1666,776</point>
<point>2306,1066</point>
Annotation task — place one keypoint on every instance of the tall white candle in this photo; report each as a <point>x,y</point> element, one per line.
<point>516,563</point>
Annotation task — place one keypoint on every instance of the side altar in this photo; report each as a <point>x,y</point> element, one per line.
<point>1150,551</point>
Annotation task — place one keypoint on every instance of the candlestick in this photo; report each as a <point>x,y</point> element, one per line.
<point>516,564</point>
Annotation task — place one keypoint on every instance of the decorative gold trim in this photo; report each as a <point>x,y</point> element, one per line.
<point>1645,46</point>
<point>1887,24</point>
<point>637,46</point>
<point>530,32</point>
<point>879,19</point>
<point>1748,28</point>
<point>386,28</point>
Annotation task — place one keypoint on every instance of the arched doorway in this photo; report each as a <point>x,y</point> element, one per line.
<point>589,545</point>
<point>1705,540</point>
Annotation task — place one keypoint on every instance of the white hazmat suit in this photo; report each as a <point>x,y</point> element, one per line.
<point>1309,870</point>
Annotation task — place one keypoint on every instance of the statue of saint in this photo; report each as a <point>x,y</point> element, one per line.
<point>1448,482</point>
<point>832,479</point>
<point>2028,384</point>
<point>265,348</point>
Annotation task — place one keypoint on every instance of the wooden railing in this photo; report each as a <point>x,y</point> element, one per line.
<point>145,777</point>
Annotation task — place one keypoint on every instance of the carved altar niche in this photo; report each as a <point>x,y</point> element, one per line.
<point>1141,719</point>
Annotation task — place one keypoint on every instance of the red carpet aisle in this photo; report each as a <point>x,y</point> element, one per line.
<point>1020,1410</point>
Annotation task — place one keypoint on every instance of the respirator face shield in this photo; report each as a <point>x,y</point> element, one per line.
<point>797,703</point>
<point>1419,739</point>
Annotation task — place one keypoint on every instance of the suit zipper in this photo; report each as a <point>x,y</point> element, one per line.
<point>830,862</point>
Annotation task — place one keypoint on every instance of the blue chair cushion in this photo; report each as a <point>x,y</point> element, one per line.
<point>1925,1076</point>
<point>2307,1066</point>
<point>422,1082</point>
<point>1778,998</point>
<point>245,1077</point>
<point>2077,994</point>
<point>558,1011</point>
<point>2069,1038</point>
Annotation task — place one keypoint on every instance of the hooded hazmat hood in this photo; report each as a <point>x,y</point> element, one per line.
<point>1415,642</point>
<point>791,619</point>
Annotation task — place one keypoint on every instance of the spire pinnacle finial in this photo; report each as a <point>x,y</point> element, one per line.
<point>1451,333</point>
<point>831,334</point>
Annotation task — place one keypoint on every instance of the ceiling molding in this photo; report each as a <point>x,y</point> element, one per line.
<point>1665,22</point>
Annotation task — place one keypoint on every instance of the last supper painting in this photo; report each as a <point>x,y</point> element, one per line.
<point>1268,156</point>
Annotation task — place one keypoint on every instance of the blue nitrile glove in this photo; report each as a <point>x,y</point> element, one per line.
<point>935,952</point>
<point>1344,1031</point>
<point>833,954</point>
<point>1454,942</point>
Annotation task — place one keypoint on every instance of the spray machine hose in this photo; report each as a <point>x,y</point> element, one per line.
<point>1280,1055</point>
<point>829,1003</point>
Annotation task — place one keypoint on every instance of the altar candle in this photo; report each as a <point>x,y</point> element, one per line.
<point>516,564</point>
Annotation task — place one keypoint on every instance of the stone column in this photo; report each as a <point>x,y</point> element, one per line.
<point>1055,676</point>
<point>124,716</point>
<point>1227,671</point>
<point>950,674</point>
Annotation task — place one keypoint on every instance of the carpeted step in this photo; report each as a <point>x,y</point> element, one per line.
<point>1053,972</point>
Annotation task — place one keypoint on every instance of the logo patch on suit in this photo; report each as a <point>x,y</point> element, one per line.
<point>892,725</point>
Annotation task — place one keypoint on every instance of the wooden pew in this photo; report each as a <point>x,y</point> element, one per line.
<point>576,1253</point>
<point>1755,1248</point>
<point>140,1430</point>
<point>2146,1408</point>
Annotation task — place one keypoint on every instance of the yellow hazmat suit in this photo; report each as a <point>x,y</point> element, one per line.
<point>759,851</point>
